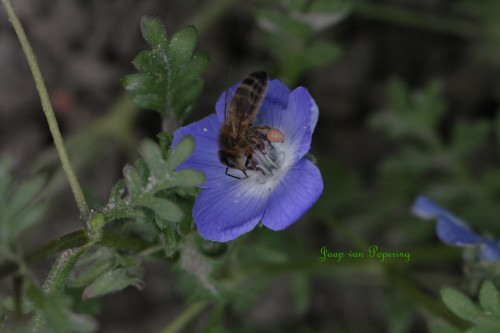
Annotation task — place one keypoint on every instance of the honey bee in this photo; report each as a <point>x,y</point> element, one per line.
<point>238,137</point>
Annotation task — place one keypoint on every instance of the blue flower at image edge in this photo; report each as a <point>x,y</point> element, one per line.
<point>454,231</point>
<point>228,207</point>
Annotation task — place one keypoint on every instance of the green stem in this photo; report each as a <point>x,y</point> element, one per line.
<point>58,276</point>
<point>75,240</point>
<point>184,318</point>
<point>47,108</point>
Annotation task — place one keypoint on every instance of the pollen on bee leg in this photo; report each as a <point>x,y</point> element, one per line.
<point>275,135</point>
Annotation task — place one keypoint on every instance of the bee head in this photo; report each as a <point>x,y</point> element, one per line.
<point>227,159</point>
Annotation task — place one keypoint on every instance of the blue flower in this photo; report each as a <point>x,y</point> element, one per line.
<point>228,207</point>
<point>454,231</point>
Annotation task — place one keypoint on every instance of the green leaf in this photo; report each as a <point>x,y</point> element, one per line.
<point>153,31</point>
<point>460,304</point>
<point>489,298</point>
<point>320,54</point>
<point>152,155</point>
<point>169,74</point>
<point>114,280</point>
<point>186,177</point>
<point>92,265</point>
<point>166,209</point>
<point>133,181</point>
<point>117,193</point>
<point>182,45</point>
<point>181,152</point>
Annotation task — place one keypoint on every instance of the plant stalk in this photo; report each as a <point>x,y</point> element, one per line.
<point>49,112</point>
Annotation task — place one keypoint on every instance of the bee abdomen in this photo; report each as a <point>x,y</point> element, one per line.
<point>253,87</point>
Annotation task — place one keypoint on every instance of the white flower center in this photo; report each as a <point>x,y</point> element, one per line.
<point>273,166</point>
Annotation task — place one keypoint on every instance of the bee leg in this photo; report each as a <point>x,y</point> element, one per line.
<point>227,174</point>
<point>251,165</point>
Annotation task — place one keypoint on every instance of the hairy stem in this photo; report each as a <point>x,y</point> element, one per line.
<point>75,240</point>
<point>58,276</point>
<point>47,109</point>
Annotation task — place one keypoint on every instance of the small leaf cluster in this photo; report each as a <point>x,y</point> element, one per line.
<point>105,271</point>
<point>485,316</point>
<point>168,78</point>
<point>151,184</point>
<point>290,33</point>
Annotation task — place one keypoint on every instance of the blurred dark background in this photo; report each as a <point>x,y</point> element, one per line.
<point>427,55</point>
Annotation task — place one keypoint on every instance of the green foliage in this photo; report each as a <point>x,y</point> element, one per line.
<point>445,167</point>
<point>485,316</point>
<point>55,313</point>
<point>169,73</point>
<point>151,183</point>
<point>105,271</point>
<point>19,209</point>
<point>460,304</point>
<point>486,14</point>
<point>290,35</point>
<point>415,116</point>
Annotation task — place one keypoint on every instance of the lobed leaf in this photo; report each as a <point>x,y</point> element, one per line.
<point>181,152</point>
<point>114,280</point>
<point>183,178</point>
<point>153,157</point>
<point>153,32</point>
<point>169,74</point>
<point>181,46</point>
<point>133,181</point>
<point>166,209</point>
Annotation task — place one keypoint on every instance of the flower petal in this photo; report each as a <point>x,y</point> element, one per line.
<point>224,213</point>
<point>489,250</point>
<point>293,196</point>
<point>205,155</point>
<point>452,233</point>
<point>297,121</point>
<point>426,208</point>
